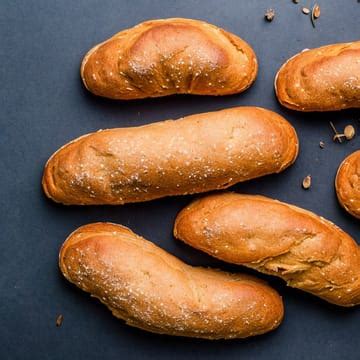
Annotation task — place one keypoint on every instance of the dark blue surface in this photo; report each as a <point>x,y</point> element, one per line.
<point>44,105</point>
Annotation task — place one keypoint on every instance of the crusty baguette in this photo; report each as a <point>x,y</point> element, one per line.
<point>347,184</point>
<point>307,251</point>
<point>171,56</point>
<point>152,290</point>
<point>321,79</point>
<point>195,154</point>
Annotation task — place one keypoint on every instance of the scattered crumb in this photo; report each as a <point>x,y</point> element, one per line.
<point>316,11</point>
<point>349,132</point>
<point>306,182</point>
<point>59,320</point>
<point>321,144</point>
<point>269,14</point>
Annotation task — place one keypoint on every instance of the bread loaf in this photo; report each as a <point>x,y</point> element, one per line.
<point>307,251</point>
<point>171,56</point>
<point>322,79</point>
<point>152,290</point>
<point>347,184</point>
<point>195,154</point>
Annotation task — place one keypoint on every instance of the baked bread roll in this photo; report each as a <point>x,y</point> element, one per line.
<point>347,184</point>
<point>322,79</point>
<point>307,251</point>
<point>171,56</point>
<point>152,290</point>
<point>195,154</point>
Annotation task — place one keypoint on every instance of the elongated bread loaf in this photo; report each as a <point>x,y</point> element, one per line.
<point>322,79</point>
<point>195,154</point>
<point>152,290</point>
<point>307,251</point>
<point>347,184</point>
<point>171,56</point>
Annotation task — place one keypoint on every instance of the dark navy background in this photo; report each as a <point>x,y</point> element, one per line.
<point>44,105</point>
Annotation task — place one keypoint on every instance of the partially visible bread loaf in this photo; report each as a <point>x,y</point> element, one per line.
<point>195,154</point>
<point>322,79</point>
<point>347,184</point>
<point>152,290</point>
<point>170,56</point>
<point>307,251</point>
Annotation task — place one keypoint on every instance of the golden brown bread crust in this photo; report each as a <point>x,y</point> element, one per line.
<point>322,79</point>
<point>152,290</point>
<point>307,251</point>
<point>195,154</point>
<point>347,184</point>
<point>171,56</point>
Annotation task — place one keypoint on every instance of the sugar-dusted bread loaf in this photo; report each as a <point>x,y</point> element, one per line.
<point>307,251</point>
<point>195,154</point>
<point>347,184</point>
<point>152,290</point>
<point>170,56</point>
<point>321,79</point>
